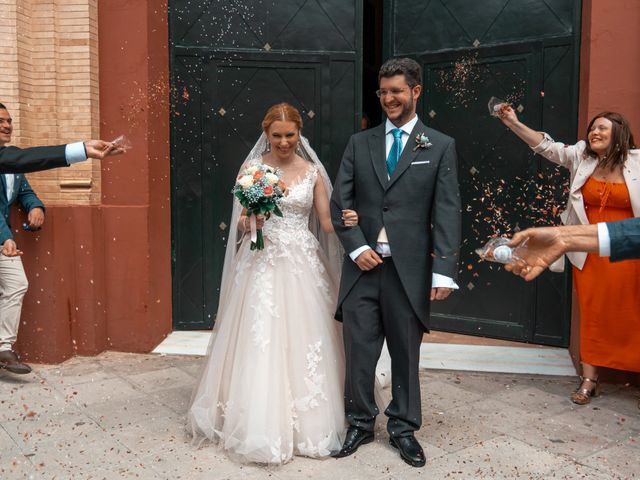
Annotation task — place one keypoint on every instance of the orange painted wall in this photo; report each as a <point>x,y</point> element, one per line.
<point>610,60</point>
<point>100,276</point>
<point>64,311</point>
<point>134,99</point>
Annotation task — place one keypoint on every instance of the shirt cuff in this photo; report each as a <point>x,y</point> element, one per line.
<point>442,281</point>
<point>356,253</point>
<point>543,144</point>
<point>75,152</point>
<point>604,241</point>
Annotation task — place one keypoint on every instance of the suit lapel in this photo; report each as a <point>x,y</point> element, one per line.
<point>630,173</point>
<point>584,171</point>
<point>408,154</point>
<point>377,150</point>
<point>3,181</point>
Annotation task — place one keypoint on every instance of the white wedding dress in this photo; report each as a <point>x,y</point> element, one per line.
<point>272,386</point>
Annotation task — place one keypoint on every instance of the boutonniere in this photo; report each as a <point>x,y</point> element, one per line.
<point>422,141</point>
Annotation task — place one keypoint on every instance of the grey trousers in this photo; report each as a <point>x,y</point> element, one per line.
<point>376,308</point>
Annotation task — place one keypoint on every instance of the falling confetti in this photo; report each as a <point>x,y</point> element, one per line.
<point>500,207</point>
<point>460,80</point>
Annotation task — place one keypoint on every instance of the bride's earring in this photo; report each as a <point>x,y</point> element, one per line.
<point>298,150</point>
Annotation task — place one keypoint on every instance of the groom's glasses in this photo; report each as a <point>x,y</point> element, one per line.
<point>392,91</point>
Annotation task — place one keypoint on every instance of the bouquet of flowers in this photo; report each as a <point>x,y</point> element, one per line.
<point>259,189</point>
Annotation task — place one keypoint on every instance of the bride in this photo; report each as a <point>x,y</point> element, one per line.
<point>272,386</point>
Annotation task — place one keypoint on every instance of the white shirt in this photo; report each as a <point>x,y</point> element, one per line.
<point>604,241</point>
<point>75,152</point>
<point>382,246</point>
<point>10,179</point>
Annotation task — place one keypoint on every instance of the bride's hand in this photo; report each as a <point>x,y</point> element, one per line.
<point>349,218</point>
<point>246,222</point>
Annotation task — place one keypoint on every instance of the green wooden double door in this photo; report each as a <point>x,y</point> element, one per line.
<point>231,60</point>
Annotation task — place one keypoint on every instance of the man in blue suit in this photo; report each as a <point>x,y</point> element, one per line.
<point>616,240</point>
<point>13,281</point>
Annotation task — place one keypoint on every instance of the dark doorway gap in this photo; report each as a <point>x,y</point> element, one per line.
<point>372,59</point>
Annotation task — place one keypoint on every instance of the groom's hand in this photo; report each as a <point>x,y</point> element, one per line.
<point>440,293</point>
<point>368,260</point>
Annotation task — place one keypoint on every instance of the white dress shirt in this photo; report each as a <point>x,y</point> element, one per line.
<point>604,241</point>
<point>75,152</point>
<point>382,246</point>
<point>9,179</point>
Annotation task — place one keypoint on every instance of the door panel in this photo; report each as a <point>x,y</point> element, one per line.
<point>494,172</point>
<point>524,52</point>
<point>438,25</point>
<point>230,61</point>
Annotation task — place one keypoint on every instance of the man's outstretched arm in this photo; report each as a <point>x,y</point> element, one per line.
<point>25,160</point>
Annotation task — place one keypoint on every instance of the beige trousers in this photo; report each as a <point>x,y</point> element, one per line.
<point>13,286</point>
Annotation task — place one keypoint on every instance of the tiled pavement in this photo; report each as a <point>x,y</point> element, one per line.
<point>121,416</point>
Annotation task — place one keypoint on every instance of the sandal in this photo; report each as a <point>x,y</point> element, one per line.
<point>583,394</point>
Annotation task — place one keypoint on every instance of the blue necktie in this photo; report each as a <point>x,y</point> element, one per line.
<point>396,150</point>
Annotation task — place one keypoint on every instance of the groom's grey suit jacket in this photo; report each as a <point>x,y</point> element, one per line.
<point>419,206</point>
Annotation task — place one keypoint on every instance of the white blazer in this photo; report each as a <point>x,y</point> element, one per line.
<point>581,167</point>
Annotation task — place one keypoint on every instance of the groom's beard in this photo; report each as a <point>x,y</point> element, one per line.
<point>403,114</point>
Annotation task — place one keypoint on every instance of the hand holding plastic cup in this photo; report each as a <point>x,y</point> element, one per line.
<point>498,250</point>
<point>122,143</point>
<point>496,105</point>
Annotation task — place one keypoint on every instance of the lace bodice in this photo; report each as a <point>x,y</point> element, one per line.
<point>295,207</point>
<point>288,239</point>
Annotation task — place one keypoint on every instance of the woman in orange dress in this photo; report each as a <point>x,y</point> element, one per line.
<point>605,186</point>
<point>608,292</point>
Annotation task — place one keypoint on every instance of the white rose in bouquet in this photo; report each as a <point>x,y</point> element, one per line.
<point>246,181</point>
<point>251,170</point>
<point>271,178</point>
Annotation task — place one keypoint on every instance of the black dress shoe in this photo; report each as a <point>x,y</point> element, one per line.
<point>410,450</point>
<point>10,362</point>
<point>355,437</point>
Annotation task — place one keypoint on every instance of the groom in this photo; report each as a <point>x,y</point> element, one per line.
<point>401,178</point>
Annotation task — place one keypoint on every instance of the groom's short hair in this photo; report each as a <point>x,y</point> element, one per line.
<point>402,66</point>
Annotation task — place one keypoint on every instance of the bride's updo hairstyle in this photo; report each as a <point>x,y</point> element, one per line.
<point>282,112</point>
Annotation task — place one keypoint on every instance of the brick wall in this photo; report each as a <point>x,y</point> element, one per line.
<point>49,83</point>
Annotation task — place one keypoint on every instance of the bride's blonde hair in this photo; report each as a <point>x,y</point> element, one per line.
<point>282,112</point>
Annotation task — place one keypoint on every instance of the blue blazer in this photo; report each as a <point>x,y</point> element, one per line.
<point>23,193</point>
<point>625,239</point>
